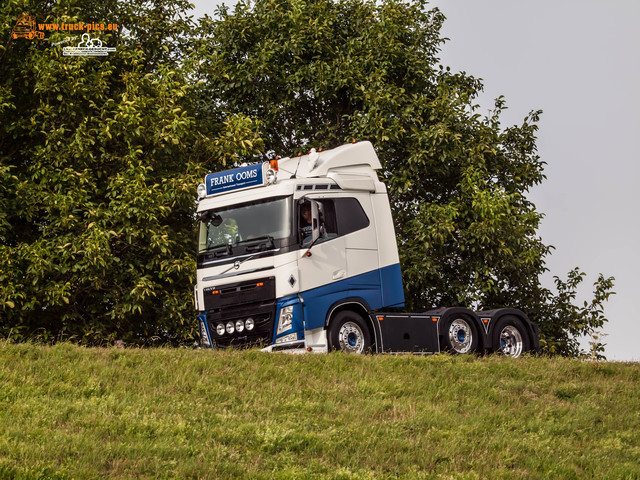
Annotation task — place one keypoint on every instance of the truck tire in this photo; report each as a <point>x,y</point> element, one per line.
<point>460,335</point>
<point>348,333</point>
<point>510,337</point>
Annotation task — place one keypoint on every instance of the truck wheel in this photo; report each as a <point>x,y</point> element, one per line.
<point>349,333</point>
<point>510,337</point>
<point>460,336</point>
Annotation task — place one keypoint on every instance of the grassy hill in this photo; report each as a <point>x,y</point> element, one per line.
<point>71,412</point>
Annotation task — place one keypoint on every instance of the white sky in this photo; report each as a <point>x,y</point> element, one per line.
<point>578,61</point>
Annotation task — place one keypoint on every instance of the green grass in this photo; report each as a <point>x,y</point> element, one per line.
<point>72,412</point>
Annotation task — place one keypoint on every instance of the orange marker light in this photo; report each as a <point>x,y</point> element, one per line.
<point>434,319</point>
<point>273,164</point>
<point>308,254</point>
<point>259,284</point>
<point>215,292</point>
<point>485,320</point>
<point>380,319</point>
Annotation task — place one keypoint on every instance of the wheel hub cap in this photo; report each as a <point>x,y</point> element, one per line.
<point>460,336</point>
<point>511,341</point>
<point>351,338</point>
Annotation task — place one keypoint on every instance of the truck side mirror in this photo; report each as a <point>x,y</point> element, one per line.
<point>315,220</point>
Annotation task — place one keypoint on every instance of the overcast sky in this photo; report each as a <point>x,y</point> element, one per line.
<point>578,61</point>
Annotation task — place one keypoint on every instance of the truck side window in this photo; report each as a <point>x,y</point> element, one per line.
<point>350,216</point>
<point>341,216</point>
<point>328,220</point>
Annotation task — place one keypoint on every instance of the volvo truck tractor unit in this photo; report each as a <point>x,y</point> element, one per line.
<point>300,254</point>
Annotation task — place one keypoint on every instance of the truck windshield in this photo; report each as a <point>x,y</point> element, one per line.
<point>245,224</point>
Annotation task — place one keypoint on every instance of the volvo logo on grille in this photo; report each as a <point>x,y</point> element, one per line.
<point>236,265</point>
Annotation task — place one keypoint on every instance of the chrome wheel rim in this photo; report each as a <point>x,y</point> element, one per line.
<point>460,336</point>
<point>351,338</point>
<point>511,341</point>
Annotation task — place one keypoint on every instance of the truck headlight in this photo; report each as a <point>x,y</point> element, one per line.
<point>249,324</point>
<point>285,319</point>
<point>230,328</point>
<point>239,326</point>
<point>220,329</point>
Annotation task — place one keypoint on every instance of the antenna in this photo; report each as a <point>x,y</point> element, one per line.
<point>297,166</point>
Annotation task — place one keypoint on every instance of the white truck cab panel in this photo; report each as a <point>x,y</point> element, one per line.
<point>308,280</point>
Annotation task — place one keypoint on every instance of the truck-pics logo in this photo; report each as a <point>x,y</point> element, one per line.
<point>26,28</point>
<point>91,47</point>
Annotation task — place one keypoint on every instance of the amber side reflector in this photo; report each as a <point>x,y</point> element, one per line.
<point>485,320</point>
<point>380,319</point>
<point>309,349</point>
<point>273,164</point>
<point>434,319</point>
<point>308,254</point>
<point>259,284</point>
<point>215,292</point>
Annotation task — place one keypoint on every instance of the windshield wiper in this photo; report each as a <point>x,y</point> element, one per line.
<point>258,243</point>
<point>237,263</point>
<point>219,250</point>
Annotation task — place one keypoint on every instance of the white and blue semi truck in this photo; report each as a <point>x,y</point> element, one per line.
<point>300,254</point>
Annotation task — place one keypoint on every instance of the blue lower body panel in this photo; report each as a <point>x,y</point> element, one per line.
<point>380,288</point>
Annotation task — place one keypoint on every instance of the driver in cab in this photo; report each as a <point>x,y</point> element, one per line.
<point>305,222</point>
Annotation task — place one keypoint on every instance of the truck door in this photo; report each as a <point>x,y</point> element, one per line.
<point>322,262</point>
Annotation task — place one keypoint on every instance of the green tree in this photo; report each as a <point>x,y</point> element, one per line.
<point>99,158</point>
<point>320,73</point>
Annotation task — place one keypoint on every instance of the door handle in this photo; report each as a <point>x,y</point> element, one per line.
<point>339,274</point>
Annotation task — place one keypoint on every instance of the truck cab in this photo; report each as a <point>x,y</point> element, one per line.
<point>269,276</point>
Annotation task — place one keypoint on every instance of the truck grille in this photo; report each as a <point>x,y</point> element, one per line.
<point>235,294</point>
<point>261,313</point>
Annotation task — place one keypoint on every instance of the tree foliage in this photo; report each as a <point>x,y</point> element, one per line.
<point>320,73</point>
<point>99,157</point>
<point>99,161</point>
